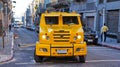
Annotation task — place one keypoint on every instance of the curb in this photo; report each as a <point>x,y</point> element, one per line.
<point>8,58</point>
<point>11,56</point>
<point>109,46</point>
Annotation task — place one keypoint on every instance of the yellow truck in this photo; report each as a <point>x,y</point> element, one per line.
<point>60,35</point>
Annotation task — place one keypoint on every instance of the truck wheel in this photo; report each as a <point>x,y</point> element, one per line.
<point>82,59</point>
<point>37,58</point>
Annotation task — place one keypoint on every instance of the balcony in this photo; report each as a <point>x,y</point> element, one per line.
<point>6,1</point>
<point>83,6</point>
<point>51,4</point>
<point>8,4</point>
<point>91,6</point>
<point>63,1</point>
<point>61,4</point>
<point>48,5</point>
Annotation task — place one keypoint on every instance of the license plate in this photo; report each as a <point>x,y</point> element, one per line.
<point>89,40</point>
<point>61,51</point>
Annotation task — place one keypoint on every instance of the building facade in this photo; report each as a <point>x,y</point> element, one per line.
<point>97,12</point>
<point>5,14</point>
<point>28,18</point>
<point>1,17</point>
<point>24,21</point>
<point>59,5</point>
<point>94,13</point>
<point>46,2</point>
<point>34,6</point>
<point>5,19</point>
<point>87,9</point>
<point>109,13</point>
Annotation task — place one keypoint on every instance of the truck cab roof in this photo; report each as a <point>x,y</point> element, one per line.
<point>60,13</point>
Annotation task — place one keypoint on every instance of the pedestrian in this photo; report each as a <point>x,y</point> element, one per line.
<point>104,30</point>
<point>10,27</point>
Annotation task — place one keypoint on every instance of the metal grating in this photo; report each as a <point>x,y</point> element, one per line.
<point>61,36</point>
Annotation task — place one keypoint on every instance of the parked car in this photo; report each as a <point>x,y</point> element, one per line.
<point>17,24</point>
<point>33,27</point>
<point>37,29</point>
<point>91,37</point>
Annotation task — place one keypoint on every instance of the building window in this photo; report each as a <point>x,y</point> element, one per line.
<point>1,6</point>
<point>101,1</point>
<point>112,0</point>
<point>80,0</point>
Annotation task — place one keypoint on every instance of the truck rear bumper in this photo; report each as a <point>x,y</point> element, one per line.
<point>61,50</point>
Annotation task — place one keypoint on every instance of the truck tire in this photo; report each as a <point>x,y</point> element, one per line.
<point>82,59</point>
<point>37,58</point>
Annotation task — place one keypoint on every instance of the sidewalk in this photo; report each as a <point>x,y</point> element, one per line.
<point>6,53</point>
<point>110,42</point>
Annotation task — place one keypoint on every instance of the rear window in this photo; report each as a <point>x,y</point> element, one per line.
<point>51,20</point>
<point>70,20</point>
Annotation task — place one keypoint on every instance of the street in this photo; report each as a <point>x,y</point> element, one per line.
<point>60,33</point>
<point>24,45</point>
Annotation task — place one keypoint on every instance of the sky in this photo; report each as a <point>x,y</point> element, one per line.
<point>20,7</point>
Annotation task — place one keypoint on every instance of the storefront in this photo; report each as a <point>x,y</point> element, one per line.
<point>113,20</point>
<point>1,18</point>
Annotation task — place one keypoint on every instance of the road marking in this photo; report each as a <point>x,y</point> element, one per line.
<point>32,62</point>
<point>100,49</point>
<point>103,61</point>
<point>27,45</point>
<point>26,49</point>
<point>24,63</point>
<point>88,61</point>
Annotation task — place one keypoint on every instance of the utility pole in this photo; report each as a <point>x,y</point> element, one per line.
<point>104,11</point>
<point>104,15</point>
<point>4,25</point>
<point>6,17</point>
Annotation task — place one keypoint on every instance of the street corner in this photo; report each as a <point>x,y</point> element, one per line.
<point>7,52</point>
<point>5,58</point>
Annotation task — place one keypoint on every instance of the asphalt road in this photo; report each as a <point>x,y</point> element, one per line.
<point>97,56</point>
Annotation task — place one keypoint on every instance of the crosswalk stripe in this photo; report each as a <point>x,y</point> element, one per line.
<point>27,49</point>
<point>88,61</point>
<point>103,61</point>
<point>26,45</point>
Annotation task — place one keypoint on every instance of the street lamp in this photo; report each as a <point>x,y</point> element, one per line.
<point>14,1</point>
